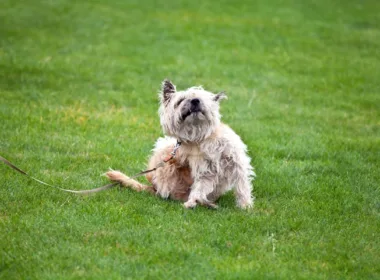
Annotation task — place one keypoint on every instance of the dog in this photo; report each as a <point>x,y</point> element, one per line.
<point>211,159</point>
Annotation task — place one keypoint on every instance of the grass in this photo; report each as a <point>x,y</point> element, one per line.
<point>78,94</point>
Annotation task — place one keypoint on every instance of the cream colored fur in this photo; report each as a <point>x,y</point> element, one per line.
<point>211,160</point>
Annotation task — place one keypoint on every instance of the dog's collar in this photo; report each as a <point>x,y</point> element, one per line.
<point>176,147</point>
<point>173,153</point>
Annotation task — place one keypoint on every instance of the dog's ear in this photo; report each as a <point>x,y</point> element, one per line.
<point>220,96</point>
<point>167,90</point>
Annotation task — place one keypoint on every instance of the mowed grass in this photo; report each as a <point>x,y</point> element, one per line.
<point>78,94</point>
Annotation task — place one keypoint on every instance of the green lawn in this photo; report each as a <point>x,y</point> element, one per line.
<point>78,94</point>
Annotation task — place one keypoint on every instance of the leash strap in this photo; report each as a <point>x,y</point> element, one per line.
<point>162,163</point>
<point>103,188</point>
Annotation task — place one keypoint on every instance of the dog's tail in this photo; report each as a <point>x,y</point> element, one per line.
<point>126,181</point>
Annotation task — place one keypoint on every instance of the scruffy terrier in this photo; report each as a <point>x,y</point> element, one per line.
<point>211,160</point>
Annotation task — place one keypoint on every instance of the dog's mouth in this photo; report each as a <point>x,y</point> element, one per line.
<point>192,111</point>
<point>193,108</point>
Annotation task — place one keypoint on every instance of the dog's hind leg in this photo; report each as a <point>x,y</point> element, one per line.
<point>124,180</point>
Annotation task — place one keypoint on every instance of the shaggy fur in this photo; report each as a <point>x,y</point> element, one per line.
<point>211,160</point>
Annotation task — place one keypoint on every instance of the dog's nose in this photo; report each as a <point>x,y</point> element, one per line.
<point>195,101</point>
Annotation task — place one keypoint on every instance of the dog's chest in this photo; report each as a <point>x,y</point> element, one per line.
<point>193,154</point>
<point>200,161</point>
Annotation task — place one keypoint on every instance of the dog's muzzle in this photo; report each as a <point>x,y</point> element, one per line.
<point>195,107</point>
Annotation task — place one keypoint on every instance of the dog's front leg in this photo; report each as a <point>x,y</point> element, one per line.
<point>243,191</point>
<point>198,194</point>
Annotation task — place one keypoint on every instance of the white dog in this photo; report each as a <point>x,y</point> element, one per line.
<point>211,160</point>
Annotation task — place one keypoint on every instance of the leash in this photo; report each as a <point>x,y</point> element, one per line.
<point>103,188</point>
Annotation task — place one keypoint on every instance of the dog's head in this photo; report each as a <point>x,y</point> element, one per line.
<point>191,115</point>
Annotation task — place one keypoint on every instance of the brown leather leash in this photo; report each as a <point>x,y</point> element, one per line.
<point>105,187</point>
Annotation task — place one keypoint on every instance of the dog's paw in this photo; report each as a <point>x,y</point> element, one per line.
<point>245,204</point>
<point>210,205</point>
<point>193,203</point>
<point>116,176</point>
<point>190,204</point>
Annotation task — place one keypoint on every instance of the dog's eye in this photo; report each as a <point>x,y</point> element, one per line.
<point>179,102</point>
